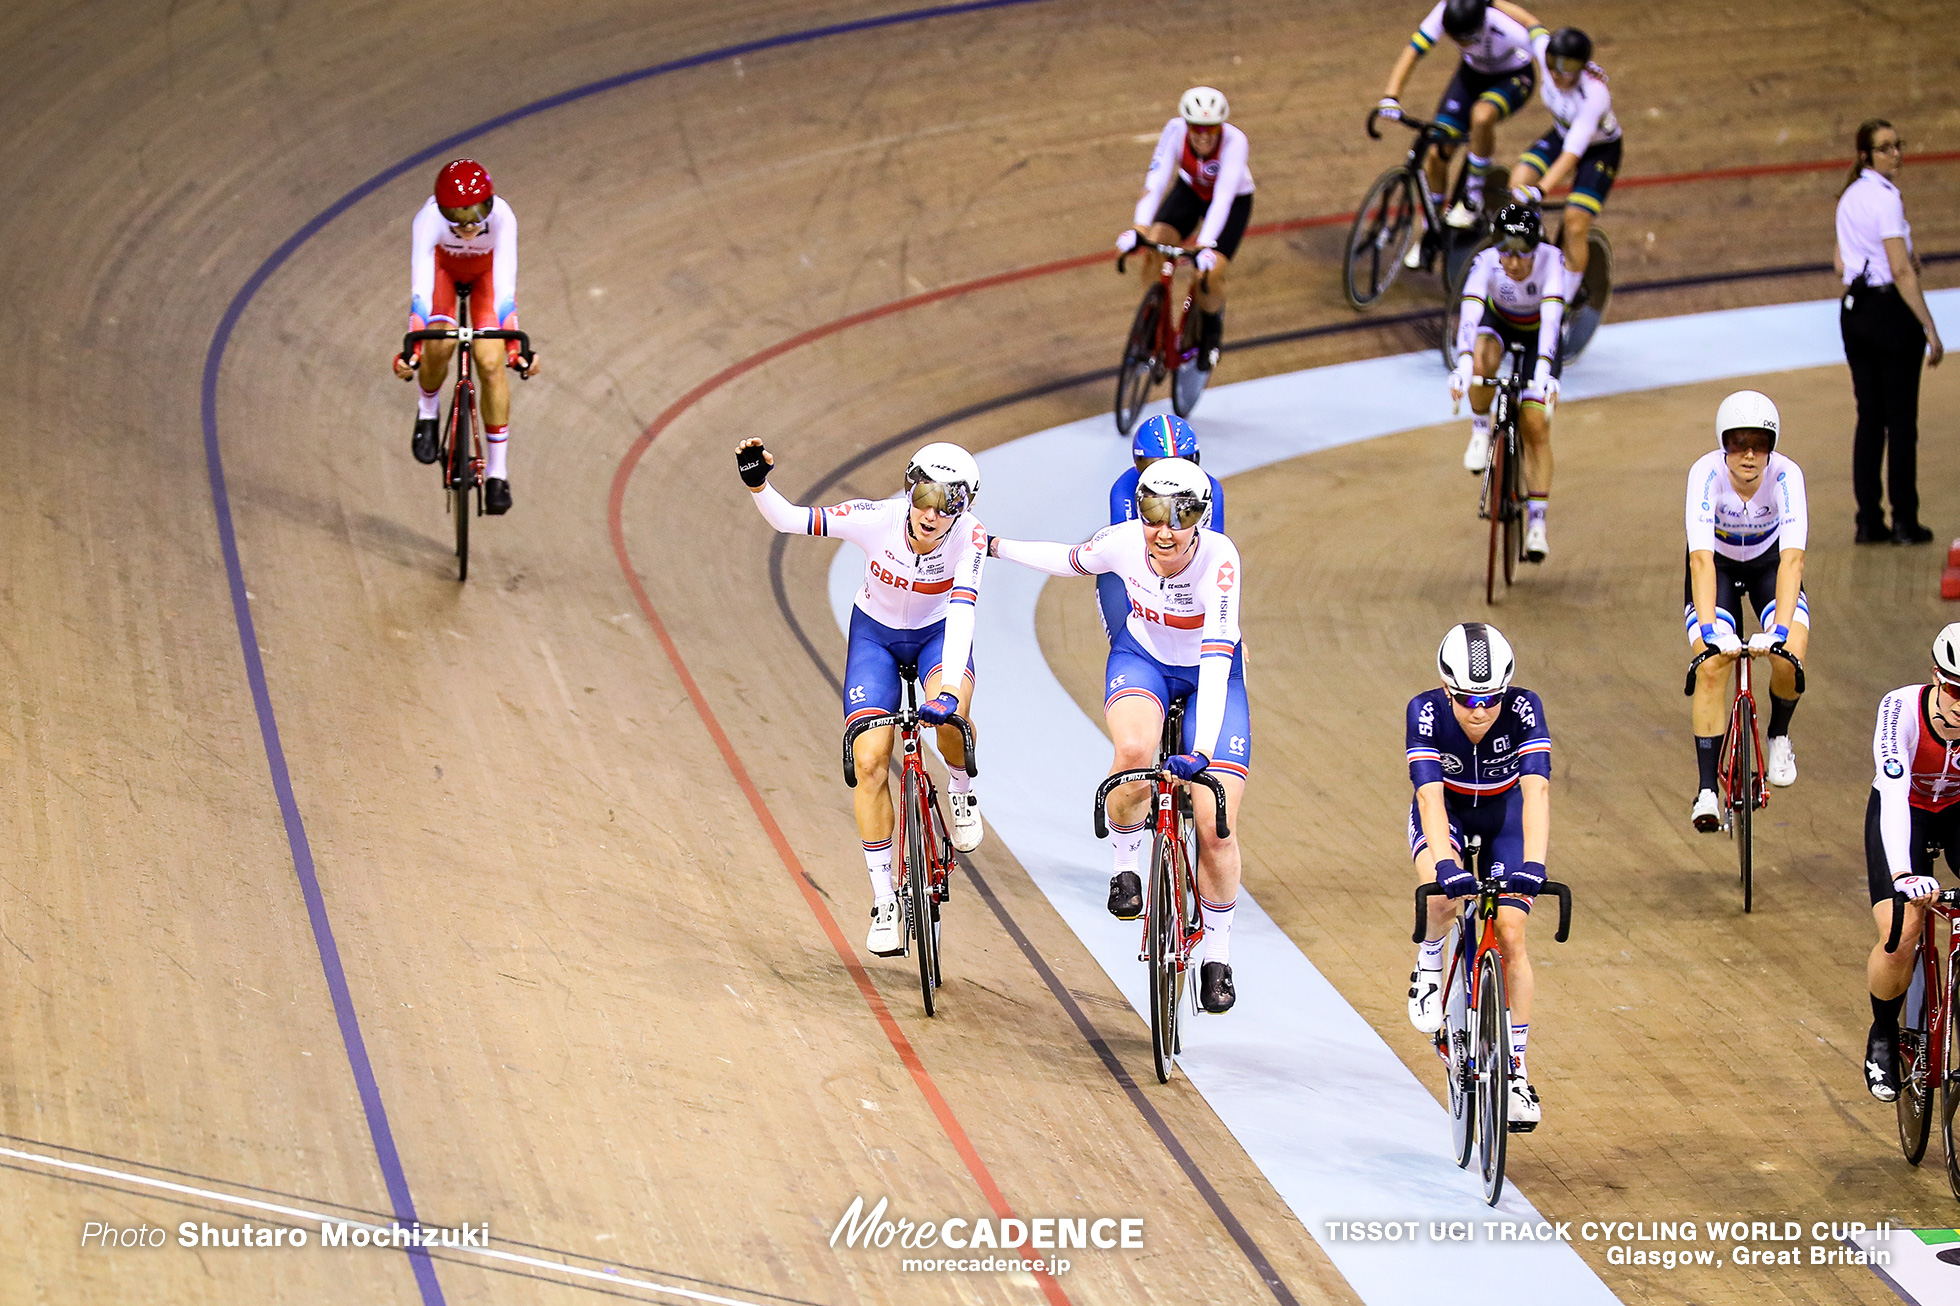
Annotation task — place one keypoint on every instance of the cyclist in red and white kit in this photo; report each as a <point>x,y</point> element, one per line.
<point>1915,805</point>
<point>1198,178</point>
<point>465,235</point>
<point>924,551</point>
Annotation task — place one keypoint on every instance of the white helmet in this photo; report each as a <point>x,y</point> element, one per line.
<point>948,466</point>
<point>1946,652</point>
<point>1475,659</point>
<point>1204,106</point>
<point>1747,410</point>
<point>1173,492</point>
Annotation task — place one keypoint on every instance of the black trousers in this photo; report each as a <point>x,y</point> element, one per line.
<point>1885,346</point>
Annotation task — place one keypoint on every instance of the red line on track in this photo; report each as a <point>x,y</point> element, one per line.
<point>615,505</point>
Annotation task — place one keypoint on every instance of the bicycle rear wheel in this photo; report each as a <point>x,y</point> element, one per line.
<point>1493,1074</point>
<point>1379,238</point>
<point>1916,1063</point>
<point>460,448</point>
<point>918,888</point>
<point>1743,783</point>
<point>1164,975</point>
<point>1139,357</point>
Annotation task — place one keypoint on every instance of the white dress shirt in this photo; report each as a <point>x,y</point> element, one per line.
<point>1869,212</point>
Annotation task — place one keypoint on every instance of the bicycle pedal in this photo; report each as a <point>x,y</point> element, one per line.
<point>1520,1126</point>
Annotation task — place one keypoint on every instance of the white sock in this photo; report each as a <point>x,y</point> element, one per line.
<point>1125,841</point>
<point>957,780</point>
<point>1480,424</point>
<point>1218,929</point>
<point>878,861</point>
<point>428,403</point>
<point>1430,955</point>
<point>1572,280</point>
<point>1518,1035</point>
<point>496,447</point>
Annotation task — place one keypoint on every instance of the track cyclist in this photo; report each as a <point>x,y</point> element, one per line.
<point>1915,803</point>
<point>1582,151</point>
<point>1166,436</point>
<point>465,235</point>
<point>1514,292</point>
<point>1748,522</point>
<point>1480,757</point>
<point>1184,583</point>
<point>1494,80</point>
<point>924,550</point>
<point>1198,178</point>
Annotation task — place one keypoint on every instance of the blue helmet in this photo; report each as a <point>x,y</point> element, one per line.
<point>1165,436</point>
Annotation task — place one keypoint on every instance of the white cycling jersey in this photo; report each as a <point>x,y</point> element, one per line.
<point>1504,46</point>
<point>1537,302</point>
<point>1218,181</point>
<point>1913,768</point>
<point>902,589</point>
<point>1584,113</point>
<point>1187,620</point>
<point>1776,516</point>
<point>493,249</point>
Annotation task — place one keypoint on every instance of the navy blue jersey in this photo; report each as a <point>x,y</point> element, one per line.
<point>1123,500</point>
<point>1518,743</point>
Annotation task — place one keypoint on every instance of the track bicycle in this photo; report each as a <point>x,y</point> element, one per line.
<point>1379,240</point>
<point>1173,925</point>
<point>460,453</point>
<point>1741,772</point>
<point>1475,1040</point>
<point>1502,502</point>
<point>925,861</point>
<point>1161,342</point>
<point>1929,1039</point>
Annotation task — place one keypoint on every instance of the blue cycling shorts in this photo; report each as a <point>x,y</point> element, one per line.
<point>1132,671</point>
<point>1498,821</point>
<point>871,684</point>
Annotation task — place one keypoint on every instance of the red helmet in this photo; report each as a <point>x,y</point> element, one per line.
<point>464,191</point>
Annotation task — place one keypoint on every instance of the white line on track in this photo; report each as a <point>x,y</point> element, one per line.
<point>610,1278</point>
<point>1318,1100</point>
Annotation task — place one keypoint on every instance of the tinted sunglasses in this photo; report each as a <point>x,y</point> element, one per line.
<point>1178,511</point>
<point>1477,701</point>
<point>469,217</point>
<point>1516,245</point>
<point>1566,64</point>
<point>1760,442</point>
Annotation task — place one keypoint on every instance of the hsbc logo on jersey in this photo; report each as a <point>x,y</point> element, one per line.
<point>1227,576</point>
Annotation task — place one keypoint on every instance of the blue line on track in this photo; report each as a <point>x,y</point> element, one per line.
<point>399,1197</point>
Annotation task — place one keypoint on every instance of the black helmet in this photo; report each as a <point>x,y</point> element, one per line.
<point>1517,224</point>
<point>1463,19</point>
<point>1569,43</point>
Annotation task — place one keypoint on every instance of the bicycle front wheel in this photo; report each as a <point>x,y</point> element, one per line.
<point>918,888</point>
<point>460,446</point>
<point>1456,1056</point>
<point>1379,239</point>
<point>1743,783</point>
<point>1944,1069</point>
<point>1139,357</point>
<point>1917,1061</point>
<point>1495,504</point>
<point>1165,913</point>
<point>1493,1050</point>
<point>1513,498</point>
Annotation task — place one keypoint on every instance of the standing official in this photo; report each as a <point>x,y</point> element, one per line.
<point>1887,330</point>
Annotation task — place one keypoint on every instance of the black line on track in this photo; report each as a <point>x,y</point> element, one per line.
<point>371,1215</point>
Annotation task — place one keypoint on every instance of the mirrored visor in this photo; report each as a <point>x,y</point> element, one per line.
<point>1178,511</point>
<point>471,216</point>
<point>1516,245</point>
<point>947,498</point>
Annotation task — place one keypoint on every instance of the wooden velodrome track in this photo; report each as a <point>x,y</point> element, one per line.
<point>500,903</point>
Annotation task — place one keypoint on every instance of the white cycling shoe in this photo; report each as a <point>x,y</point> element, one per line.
<point>1476,455</point>
<point>1781,764</point>
<point>1525,1112</point>
<point>1535,547</point>
<point>1461,216</point>
<point>1708,812</point>
<point>887,937</point>
<point>1426,999</point>
<point>967,828</point>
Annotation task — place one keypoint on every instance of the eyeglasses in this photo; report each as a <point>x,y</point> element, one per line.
<point>1477,701</point>
<point>1566,64</point>
<point>1516,245</point>
<point>1950,688</point>
<point>1891,147</point>
<point>1177,511</point>
<point>472,216</point>
<point>947,498</point>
